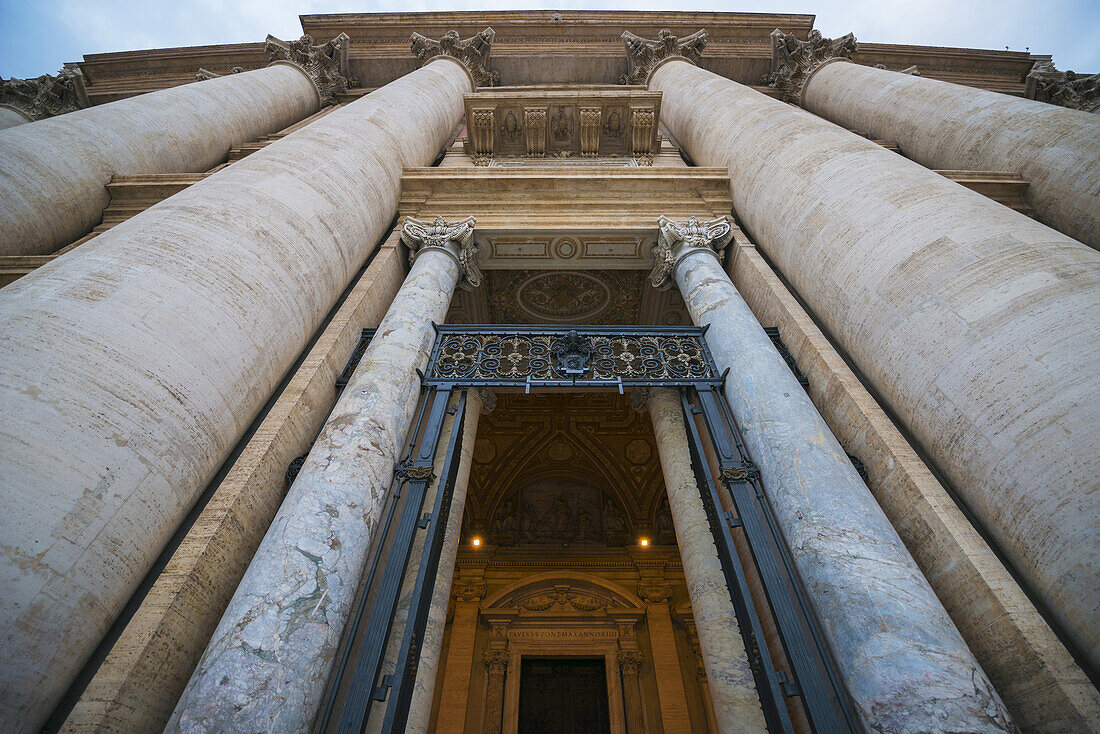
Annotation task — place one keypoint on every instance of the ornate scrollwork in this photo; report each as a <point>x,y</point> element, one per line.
<point>743,472</point>
<point>473,53</point>
<point>325,64</point>
<point>495,357</point>
<point>456,238</point>
<point>795,61</point>
<point>496,662</point>
<point>1063,88</point>
<point>655,591</point>
<point>468,591</point>
<point>406,470</point>
<point>572,353</point>
<point>45,96</point>
<point>630,661</point>
<point>643,56</point>
<point>712,235</point>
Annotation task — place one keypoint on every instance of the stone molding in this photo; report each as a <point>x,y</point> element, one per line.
<point>1063,88</point>
<point>45,96</point>
<point>644,56</point>
<point>677,240</point>
<point>454,238</point>
<point>795,61</point>
<point>324,64</point>
<point>472,53</point>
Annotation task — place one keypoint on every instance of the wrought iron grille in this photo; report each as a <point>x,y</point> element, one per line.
<point>571,356</point>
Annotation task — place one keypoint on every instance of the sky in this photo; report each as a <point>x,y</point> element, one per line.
<point>38,36</point>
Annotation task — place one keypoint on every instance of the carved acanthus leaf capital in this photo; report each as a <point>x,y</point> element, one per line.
<point>468,591</point>
<point>639,399</point>
<point>324,64</point>
<point>655,591</point>
<point>455,238</point>
<point>713,235</point>
<point>45,96</point>
<point>1063,88</point>
<point>203,74</point>
<point>795,61</point>
<point>488,398</point>
<point>643,56</point>
<point>473,53</point>
<point>496,662</point>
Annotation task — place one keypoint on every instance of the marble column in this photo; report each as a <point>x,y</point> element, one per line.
<point>176,324</point>
<point>902,661</point>
<point>496,669</point>
<point>270,657</point>
<point>736,701</point>
<point>949,126</point>
<point>10,117</point>
<point>54,173</point>
<point>420,709</point>
<point>975,324</point>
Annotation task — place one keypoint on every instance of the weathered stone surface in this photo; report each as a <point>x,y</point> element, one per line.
<point>795,61</point>
<point>1043,688</point>
<point>643,56</point>
<point>169,355</point>
<point>948,126</point>
<point>45,96</point>
<point>269,659</point>
<point>974,323</point>
<point>1064,88</point>
<point>138,684</point>
<point>905,666</point>
<point>732,688</point>
<point>323,63</point>
<point>54,173</point>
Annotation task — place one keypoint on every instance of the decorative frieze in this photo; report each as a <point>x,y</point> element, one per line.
<point>325,64</point>
<point>1063,88</point>
<point>643,56</point>
<point>45,96</point>
<point>454,238</point>
<point>473,53</point>
<point>713,235</point>
<point>795,61</point>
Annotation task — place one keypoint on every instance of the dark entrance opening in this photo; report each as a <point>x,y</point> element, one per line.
<point>562,696</point>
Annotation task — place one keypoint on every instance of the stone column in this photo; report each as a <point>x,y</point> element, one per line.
<point>736,701</point>
<point>176,324</point>
<point>455,695</point>
<point>10,117</point>
<point>975,324</point>
<point>949,126</point>
<point>420,709</point>
<point>53,175</point>
<point>903,663</point>
<point>269,659</point>
<point>179,341</point>
<point>496,668</point>
<point>629,663</point>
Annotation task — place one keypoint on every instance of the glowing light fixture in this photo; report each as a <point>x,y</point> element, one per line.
<point>644,542</point>
<point>477,542</point>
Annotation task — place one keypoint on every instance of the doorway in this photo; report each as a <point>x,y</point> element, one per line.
<point>562,696</point>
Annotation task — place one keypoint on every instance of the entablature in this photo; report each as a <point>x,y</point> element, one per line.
<point>565,217</point>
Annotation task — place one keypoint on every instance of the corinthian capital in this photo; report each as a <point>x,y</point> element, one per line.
<point>676,238</point>
<point>1064,88</point>
<point>45,96</point>
<point>454,238</point>
<point>643,56</point>
<point>473,53</point>
<point>795,61</point>
<point>324,64</point>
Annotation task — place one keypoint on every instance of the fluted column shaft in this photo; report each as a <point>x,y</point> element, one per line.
<point>420,709</point>
<point>949,126</point>
<point>54,173</point>
<point>975,324</point>
<point>736,701</point>
<point>176,325</point>
<point>270,657</point>
<point>902,661</point>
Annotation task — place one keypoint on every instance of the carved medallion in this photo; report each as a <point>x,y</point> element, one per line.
<point>563,296</point>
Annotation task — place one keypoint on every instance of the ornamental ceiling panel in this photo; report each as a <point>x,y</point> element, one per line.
<point>566,469</point>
